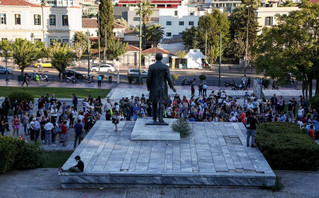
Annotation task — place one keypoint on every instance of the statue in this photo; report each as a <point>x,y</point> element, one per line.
<point>157,79</point>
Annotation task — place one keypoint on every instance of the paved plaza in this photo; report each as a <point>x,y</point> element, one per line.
<point>215,154</point>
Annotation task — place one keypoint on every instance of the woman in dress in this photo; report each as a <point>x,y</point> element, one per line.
<point>16,125</point>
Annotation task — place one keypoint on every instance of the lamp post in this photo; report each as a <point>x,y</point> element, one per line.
<point>247,30</point>
<point>99,41</point>
<point>88,33</point>
<point>220,58</point>
<point>140,47</point>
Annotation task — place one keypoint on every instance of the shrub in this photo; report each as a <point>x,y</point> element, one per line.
<point>266,83</point>
<point>202,77</point>
<point>314,101</point>
<point>175,78</point>
<point>8,151</point>
<point>182,127</point>
<point>29,157</point>
<point>286,147</point>
<point>20,96</point>
<point>18,154</point>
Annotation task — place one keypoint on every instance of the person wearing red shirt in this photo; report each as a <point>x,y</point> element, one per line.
<point>311,132</point>
<point>64,135</point>
<point>242,117</point>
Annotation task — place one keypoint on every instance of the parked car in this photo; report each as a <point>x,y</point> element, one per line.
<point>135,73</point>
<point>3,70</point>
<point>103,68</point>
<point>70,72</point>
<point>45,64</point>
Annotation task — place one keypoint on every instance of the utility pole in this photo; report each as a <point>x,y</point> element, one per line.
<point>99,33</point>
<point>246,51</point>
<point>88,53</point>
<point>105,43</point>
<point>220,58</point>
<point>140,45</point>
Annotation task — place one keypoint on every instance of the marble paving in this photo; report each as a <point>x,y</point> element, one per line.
<point>141,131</point>
<point>214,154</point>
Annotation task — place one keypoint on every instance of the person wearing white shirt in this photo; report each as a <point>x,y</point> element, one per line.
<point>48,132</point>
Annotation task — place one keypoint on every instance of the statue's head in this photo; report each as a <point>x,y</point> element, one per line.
<point>159,56</point>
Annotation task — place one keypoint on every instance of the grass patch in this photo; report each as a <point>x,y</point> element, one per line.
<point>55,159</point>
<point>275,188</point>
<point>60,92</point>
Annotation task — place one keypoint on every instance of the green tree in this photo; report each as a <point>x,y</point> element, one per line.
<point>5,46</point>
<point>116,49</point>
<point>214,24</point>
<point>24,53</point>
<point>61,57</point>
<point>190,37</point>
<point>80,44</point>
<point>147,11</point>
<point>291,48</point>
<point>106,23</point>
<point>238,29</point>
<point>154,33</point>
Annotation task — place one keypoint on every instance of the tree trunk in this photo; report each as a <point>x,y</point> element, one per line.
<point>303,88</point>
<point>60,76</point>
<point>317,86</point>
<point>144,37</point>
<point>310,88</point>
<point>22,71</point>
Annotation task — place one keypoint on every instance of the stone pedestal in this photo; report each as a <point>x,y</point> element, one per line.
<point>144,131</point>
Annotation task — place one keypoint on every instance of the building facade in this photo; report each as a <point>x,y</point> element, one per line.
<point>21,19</point>
<point>267,15</point>
<point>154,3</point>
<point>59,3</point>
<point>176,20</point>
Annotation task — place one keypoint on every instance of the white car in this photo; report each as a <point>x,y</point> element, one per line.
<point>103,68</point>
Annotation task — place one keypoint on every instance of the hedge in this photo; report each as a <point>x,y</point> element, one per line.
<point>314,101</point>
<point>18,154</point>
<point>20,96</point>
<point>286,147</point>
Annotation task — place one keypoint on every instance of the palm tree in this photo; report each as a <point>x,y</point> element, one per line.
<point>147,11</point>
<point>24,53</point>
<point>61,57</point>
<point>154,33</point>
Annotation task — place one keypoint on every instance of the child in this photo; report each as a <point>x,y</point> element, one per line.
<point>115,120</point>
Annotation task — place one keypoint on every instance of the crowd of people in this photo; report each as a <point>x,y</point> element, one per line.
<point>51,121</point>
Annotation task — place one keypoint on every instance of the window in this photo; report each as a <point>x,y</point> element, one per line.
<point>3,18</point>
<point>65,20</point>
<point>168,22</point>
<point>52,41</point>
<point>176,13</point>
<point>17,19</point>
<point>52,19</point>
<point>37,19</point>
<point>65,41</point>
<point>191,23</point>
<point>269,21</point>
<point>181,23</point>
<point>168,34</point>
<point>136,18</point>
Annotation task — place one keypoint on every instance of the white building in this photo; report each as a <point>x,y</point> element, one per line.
<point>176,20</point>
<point>21,19</point>
<point>56,2</point>
<point>267,15</point>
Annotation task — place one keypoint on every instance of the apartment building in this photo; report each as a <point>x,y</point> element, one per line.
<point>21,19</point>
<point>267,15</point>
<point>176,20</point>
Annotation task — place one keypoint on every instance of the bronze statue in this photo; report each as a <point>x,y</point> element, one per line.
<point>157,79</point>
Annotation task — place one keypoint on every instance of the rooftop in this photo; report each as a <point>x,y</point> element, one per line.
<point>155,50</point>
<point>17,3</point>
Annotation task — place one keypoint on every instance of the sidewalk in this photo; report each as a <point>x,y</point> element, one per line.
<point>45,183</point>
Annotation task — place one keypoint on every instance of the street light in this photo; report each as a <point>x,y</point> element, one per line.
<point>98,36</point>
<point>247,30</point>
